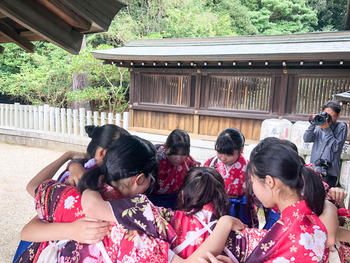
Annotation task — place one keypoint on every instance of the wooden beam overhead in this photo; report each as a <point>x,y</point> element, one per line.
<point>2,15</point>
<point>2,50</point>
<point>31,36</point>
<point>100,12</point>
<point>37,18</point>
<point>66,14</point>
<point>12,35</point>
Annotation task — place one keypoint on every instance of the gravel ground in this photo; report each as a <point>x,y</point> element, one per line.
<point>18,164</point>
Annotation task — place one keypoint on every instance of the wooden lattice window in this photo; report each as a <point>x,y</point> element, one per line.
<point>314,91</point>
<point>165,89</point>
<point>239,92</point>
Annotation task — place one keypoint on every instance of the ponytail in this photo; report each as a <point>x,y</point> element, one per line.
<point>313,190</point>
<point>90,180</point>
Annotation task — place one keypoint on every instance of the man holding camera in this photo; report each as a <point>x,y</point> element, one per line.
<point>328,136</point>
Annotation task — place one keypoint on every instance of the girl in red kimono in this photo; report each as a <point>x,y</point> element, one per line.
<point>202,200</point>
<point>101,138</point>
<point>232,166</point>
<point>277,177</point>
<point>128,167</point>
<point>174,162</point>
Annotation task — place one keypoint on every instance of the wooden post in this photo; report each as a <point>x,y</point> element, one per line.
<point>46,117</point>
<point>41,118</point>
<point>2,115</point>
<point>52,119</point>
<point>26,116</point>
<point>81,121</point>
<point>69,121</point>
<point>103,118</point>
<point>7,109</point>
<point>57,120</point>
<point>16,110</point>
<point>21,116</point>
<point>110,118</point>
<point>96,118</point>
<point>118,118</point>
<point>11,115</point>
<point>126,120</point>
<point>30,117</point>
<point>89,117</point>
<point>75,122</point>
<point>36,118</point>
<point>63,121</point>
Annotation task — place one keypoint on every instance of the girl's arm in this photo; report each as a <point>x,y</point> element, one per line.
<point>49,171</point>
<point>95,207</point>
<point>338,195</point>
<point>215,243</point>
<point>329,218</point>
<point>81,230</point>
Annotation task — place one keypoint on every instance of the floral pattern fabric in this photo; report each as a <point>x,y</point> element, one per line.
<point>172,226</point>
<point>299,236</point>
<point>170,178</point>
<point>234,178</point>
<point>61,203</point>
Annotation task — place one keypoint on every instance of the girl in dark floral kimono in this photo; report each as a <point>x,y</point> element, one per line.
<point>128,166</point>
<point>202,200</point>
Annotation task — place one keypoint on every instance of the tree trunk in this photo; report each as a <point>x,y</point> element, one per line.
<point>81,82</point>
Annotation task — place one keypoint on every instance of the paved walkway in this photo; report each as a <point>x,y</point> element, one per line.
<point>18,164</point>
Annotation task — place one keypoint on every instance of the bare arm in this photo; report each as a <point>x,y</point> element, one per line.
<point>329,218</point>
<point>215,243</point>
<point>81,230</point>
<point>338,195</point>
<point>95,207</point>
<point>49,171</point>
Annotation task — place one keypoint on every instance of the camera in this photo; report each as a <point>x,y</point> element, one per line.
<point>321,118</point>
<point>322,166</point>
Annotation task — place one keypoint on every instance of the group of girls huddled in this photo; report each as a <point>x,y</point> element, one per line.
<point>127,200</point>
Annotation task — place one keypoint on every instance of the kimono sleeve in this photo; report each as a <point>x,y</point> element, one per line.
<point>241,244</point>
<point>138,213</point>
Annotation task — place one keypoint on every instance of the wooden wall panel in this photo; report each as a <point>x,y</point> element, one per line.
<point>214,125</point>
<point>162,121</point>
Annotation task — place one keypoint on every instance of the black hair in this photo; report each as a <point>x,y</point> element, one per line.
<point>178,143</point>
<point>335,106</point>
<point>126,157</point>
<point>281,161</point>
<point>229,140</point>
<point>201,186</point>
<point>102,136</point>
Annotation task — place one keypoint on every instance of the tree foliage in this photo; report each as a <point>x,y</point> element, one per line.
<point>46,75</point>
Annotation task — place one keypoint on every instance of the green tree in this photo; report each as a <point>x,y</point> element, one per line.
<point>330,13</point>
<point>283,16</point>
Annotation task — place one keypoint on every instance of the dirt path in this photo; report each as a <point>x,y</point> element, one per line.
<point>18,164</point>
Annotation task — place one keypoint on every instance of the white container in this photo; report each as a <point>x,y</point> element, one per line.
<point>296,136</point>
<point>247,150</point>
<point>275,128</point>
<point>344,175</point>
